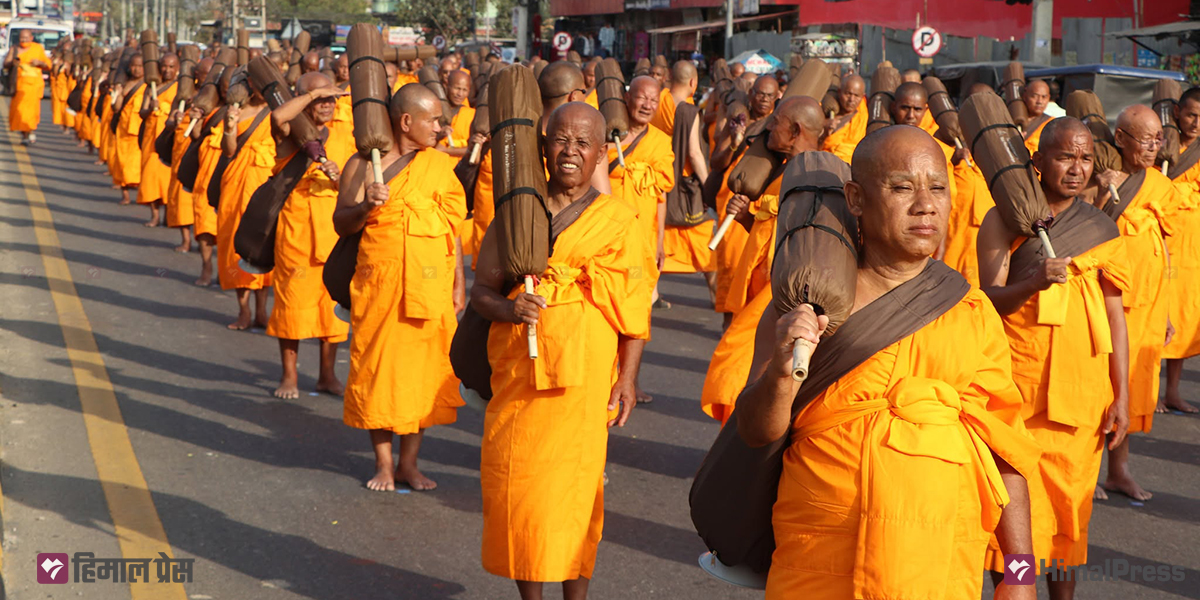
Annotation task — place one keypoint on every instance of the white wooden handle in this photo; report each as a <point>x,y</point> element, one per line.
<point>1045,237</point>
<point>375,166</point>
<point>716,239</point>
<point>1112,190</point>
<point>532,329</point>
<point>191,126</point>
<point>475,148</point>
<point>620,151</point>
<point>1166,165</point>
<point>802,351</point>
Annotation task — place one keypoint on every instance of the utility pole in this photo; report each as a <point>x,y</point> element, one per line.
<point>729,4</point>
<point>1043,28</point>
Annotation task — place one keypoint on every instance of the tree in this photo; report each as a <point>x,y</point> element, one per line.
<point>451,19</point>
<point>340,12</point>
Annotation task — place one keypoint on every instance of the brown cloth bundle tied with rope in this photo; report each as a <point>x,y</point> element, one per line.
<point>428,77</point>
<point>884,82</point>
<point>1085,105</point>
<point>1166,96</point>
<point>243,47</point>
<point>816,252</point>
<point>811,80</point>
<point>945,114</point>
<point>149,44</point>
<point>481,123</point>
<point>610,96</point>
<point>208,95</point>
<point>398,54</point>
<point>829,102</point>
<point>185,84</point>
<point>999,150</point>
<point>522,222</point>
<point>300,46</point>
<point>1011,89</point>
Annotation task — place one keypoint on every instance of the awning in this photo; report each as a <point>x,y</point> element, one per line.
<point>720,24</point>
<point>1165,30</point>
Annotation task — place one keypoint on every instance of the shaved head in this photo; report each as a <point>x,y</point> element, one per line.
<point>341,67</point>
<point>763,95</point>
<point>1060,131</point>
<point>796,126</point>
<point>1036,96</point>
<point>911,102</point>
<point>310,63</point>
<point>415,111</point>
<point>577,112</point>
<point>1139,137</point>
<point>913,90</point>
<point>574,147</point>
<point>851,93</point>
<point>1065,158</point>
<point>881,150</point>
<point>559,79</point>
<point>312,81</point>
<point>736,69</point>
<point>168,67</point>
<point>413,98</point>
<point>911,76</point>
<point>682,72</point>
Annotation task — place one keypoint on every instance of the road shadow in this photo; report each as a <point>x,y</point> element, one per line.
<point>654,456</point>
<point>1180,452</point>
<point>656,539</point>
<point>1099,555</point>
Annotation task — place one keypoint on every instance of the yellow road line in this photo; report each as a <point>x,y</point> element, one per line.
<point>139,530</point>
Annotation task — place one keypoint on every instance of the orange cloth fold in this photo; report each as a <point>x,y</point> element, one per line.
<point>25,109</point>
<point>249,169</point>
<point>156,177</point>
<point>843,141</point>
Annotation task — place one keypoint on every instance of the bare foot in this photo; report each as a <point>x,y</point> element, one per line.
<point>260,324</point>
<point>151,223</point>
<point>1176,403</point>
<point>383,481</point>
<point>183,248</point>
<point>1126,485</point>
<point>1161,408</point>
<point>125,201</point>
<point>98,162</point>
<point>205,277</point>
<point>415,479</point>
<point>1099,494</point>
<point>242,324</point>
<point>643,397</point>
<point>287,390</point>
<point>333,387</point>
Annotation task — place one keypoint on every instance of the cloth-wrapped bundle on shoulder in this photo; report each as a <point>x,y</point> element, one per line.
<point>1166,95</point>
<point>884,82</point>
<point>299,48</point>
<point>830,103</point>
<point>149,43</point>
<point>642,67</point>
<point>757,169</point>
<point>1011,88</point>
<point>243,47</point>
<point>398,54</point>
<point>185,86</point>
<point>522,222</point>
<point>945,114</point>
<point>1085,105</point>
<point>208,95</point>
<point>254,240</point>
<point>999,150</point>
<point>812,80</point>
<point>610,96</point>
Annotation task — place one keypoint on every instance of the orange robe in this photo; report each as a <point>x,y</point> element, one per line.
<point>1184,247</point>
<point>210,153</point>
<point>927,123</point>
<point>545,432</point>
<point>83,120</point>
<point>843,141</point>
<point>101,133</point>
<point>403,79</point>
<point>249,169</point>
<point>1061,344</point>
<point>592,99</point>
<point>180,212</point>
<point>1147,219</point>
<point>972,201</point>
<point>25,109</point>
<point>649,173</point>
<point>749,295</point>
<point>729,251</point>
<point>686,248</point>
<point>889,488</point>
<point>1035,137</point>
<point>69,116</point>
<point>58,96</point>
<point>303,308</point>
<point>127,159</point>
<point>460,128</point>
<point>156,177</point>
<point>343,118</point>
<point>484,210</point>
<point>664,119</point>
<point>402,305</point>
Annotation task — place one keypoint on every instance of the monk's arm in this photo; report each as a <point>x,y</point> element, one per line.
<point>723,153</point>
<point>992,249</point>
<point>487,294</point>
<point>696,154</point>
<point>455,151</point>
<point>624,392</point>
<point>229,134</point>
<point>282,117</point>
<point>600,179</point>
<point>1117,419</point>
<point>1014,532</point>
<point>147,106</point>
<point>351,213</point>
<point>460,280</point>
<point>662,232</point>
<point>764,408</point>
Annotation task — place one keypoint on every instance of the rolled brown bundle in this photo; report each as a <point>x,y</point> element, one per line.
<point>812,80</point>
<point>642,67</point>
<point>999,150</point>
<point>237,86</point>
<point>1166,96</point>
<point>1085,105</point>
<point>1011,89</point>
<point>574,57</point>
<point>149,44</point>
<point>208,95</point>
<point>397,54</point>
<point>538,66</point>
<point>428,77</point>
<point>269,82</point>
<point>471,61</point>
<point>944,111</point>
<point>299,48</point>
<point>884,82</point>
<point>610,97</point>
<point>481,123</point>
<point>720,72</point>
<point>830,102</point>
<point>522,222</point>
<point>122,64</point>
<point>756,169</point>
<point>369,94</point>
<point>243,47</point>
<point>661,61</point>
<point>816,255</point>
<point>795,63</point>
<point>185,86</point>
<point>172,46</point>
<point>273,45</point>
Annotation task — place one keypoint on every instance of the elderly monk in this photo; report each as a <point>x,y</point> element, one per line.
<point>1184,170</point>
<point>542,515</point>
<point>180,212</point>
<point>247,143</point>
<point>910,106</point>
<point>562,82</point>
<point>458,135</point>
<point>303,308</point>
<point>797,126</point>
<point>972,201</point>
<point>30,60</point>
<point>310,63</point>
<point>205,216</point>
<point>126,164</point>
<point>341,71</point>
<point>1070,351</point>
<point>1146,214</point>
<point>850,125</point>
<point>1036,97</point>
<point>762,98</point>
<point>649,171</point>
<point>899,470</point>
<point>156,176</point>
<point>406,290</point>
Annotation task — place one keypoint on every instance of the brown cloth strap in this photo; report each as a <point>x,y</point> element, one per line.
<point>567,216</point>
<point>393,170</point>
<point>1127,191</point>
<point>1072,232</point>
<point>1184,162</point>
<point>630,149</point>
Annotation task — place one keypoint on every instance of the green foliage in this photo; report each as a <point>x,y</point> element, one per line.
<point>341,12</point>
<point>452,18</point>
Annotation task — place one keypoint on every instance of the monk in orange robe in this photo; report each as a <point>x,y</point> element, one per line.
<point>797,127</point>
<point>850,125</point>
<point>972,201</point>
<point>30,60</point>
<point>543,519</point>
<point>1184,170</point>
<point>1036,97</point>
<point>484,207</point>
<point>343,116</point>
<point>204,216</point>
<point>156,176</point>
<point>83,120</point>
<point>251,154</point>
<point>898,471</point>
<point>1070,353</point>
<point>406,290</point>
<point>303,308</point>
<point>126,163</point>
<point>59,87</point>
<point>649,171</point>
<point>592,98</point>
<point>1145,215</point>
<point>562,82</point>
<point>688,230</point>
<point>458,135</point>
<point>181,213</point>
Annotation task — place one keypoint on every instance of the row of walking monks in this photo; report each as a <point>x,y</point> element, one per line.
<point>1071,361</point>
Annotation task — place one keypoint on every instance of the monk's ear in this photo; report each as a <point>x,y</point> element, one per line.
<point>855,195</point>
<point>406,122</point>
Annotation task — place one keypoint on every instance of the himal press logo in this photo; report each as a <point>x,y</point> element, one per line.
<point>52,567</point>
<point>1018,569</point>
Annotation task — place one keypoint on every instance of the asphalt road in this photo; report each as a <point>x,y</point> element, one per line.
<point>266,495</point>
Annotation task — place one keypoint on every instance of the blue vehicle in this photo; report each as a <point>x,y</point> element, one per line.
<point>1118,87</point>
